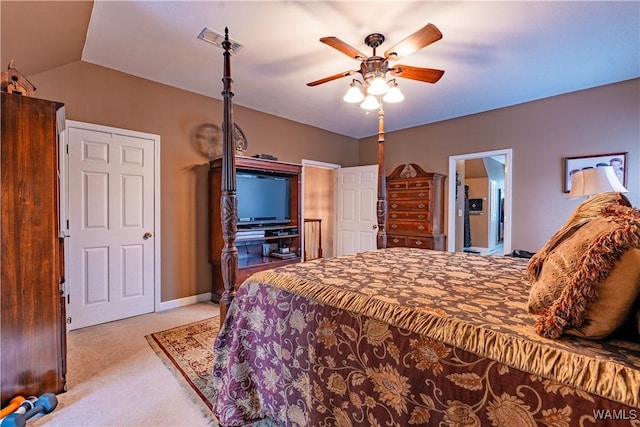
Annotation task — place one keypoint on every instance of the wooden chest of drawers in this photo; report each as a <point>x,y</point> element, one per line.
<point>415,208</point>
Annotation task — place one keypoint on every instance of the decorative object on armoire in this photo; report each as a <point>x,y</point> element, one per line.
<point>239,140</point>
<point>32,302</point>
<point>416,208</point>
<point>265,156</point>
<point>207,140</point>
<point>373,69</point>
<point>12,81</point>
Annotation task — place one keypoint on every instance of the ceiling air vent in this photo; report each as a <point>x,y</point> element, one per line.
<point>217,39</point>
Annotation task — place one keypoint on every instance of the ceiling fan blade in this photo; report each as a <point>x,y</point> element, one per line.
<point>416,41</point>
<point>338,44</point>
<point>428,75</point>
<point>334,77</point>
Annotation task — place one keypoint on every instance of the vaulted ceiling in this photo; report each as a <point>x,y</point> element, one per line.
<point>495,54</point>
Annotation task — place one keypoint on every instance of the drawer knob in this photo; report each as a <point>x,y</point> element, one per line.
<point>395,205</point>
<point>421,205</point>
<point>421,216</point>
<point>420,194</point>
<point>421,227</point>
<point>396,240</point>
<point>394,225</point>
<point>419,242</point>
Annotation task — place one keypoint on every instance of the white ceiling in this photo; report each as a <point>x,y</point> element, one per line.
<point>495,54</point>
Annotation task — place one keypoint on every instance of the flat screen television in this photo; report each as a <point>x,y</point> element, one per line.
<point>263,199</point>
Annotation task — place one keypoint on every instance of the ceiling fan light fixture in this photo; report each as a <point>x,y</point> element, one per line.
<point>354,94</point>
<point>394,94</point>
<point>378,86</point>
<point>370,103</point>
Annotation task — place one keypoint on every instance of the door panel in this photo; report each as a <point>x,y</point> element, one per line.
<point>111,207</point>
<point>357,197</point>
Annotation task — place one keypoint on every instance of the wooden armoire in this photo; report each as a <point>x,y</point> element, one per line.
<point>32,323</point>
<point>415,215</point>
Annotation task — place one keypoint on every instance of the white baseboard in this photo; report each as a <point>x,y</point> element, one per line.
<point>181,302</point>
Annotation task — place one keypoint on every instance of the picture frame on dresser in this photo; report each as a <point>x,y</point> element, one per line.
<point>617,160</point>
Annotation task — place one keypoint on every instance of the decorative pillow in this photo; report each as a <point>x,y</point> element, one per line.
<point>588,283</point>
<point>585,212</point>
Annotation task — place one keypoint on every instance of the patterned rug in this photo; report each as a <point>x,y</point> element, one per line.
<point>188,353</point>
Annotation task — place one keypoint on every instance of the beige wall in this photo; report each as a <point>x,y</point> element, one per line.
<point>102,96</point>
<point>541,133</point>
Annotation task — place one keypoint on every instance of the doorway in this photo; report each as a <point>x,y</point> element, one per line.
<point>344,199</point>
<point>318,201</point>
<point>458,212</point>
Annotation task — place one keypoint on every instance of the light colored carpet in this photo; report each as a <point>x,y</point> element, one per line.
<point>115,379</point>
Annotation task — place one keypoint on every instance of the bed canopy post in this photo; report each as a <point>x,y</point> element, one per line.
<point>381,205</point>
<point>228,200</point>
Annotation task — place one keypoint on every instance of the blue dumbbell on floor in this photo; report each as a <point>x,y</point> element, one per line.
<point>45,404</point>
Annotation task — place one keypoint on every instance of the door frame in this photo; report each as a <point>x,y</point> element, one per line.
<point>451,203</point>
<point>64,192</point>
<point>315,163</point>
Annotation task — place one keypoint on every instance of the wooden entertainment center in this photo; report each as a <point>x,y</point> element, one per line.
<point>253,256</point>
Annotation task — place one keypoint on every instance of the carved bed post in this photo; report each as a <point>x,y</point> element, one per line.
<point>228,200</point>
<point>381,205</point>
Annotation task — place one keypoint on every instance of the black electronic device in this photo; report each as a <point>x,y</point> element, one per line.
<point>263,199</point>
<point>265,156</point>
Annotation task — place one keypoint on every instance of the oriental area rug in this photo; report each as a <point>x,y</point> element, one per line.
<point>188,353</point>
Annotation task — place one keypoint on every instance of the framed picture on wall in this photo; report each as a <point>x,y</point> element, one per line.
<point>617,160</point>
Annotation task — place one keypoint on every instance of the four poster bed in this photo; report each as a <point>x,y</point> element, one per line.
<point>401,336</point>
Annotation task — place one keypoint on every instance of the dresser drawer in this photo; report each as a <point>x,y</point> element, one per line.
<point>416,228</point>
<point>403,205</point>
<point>420,242</point>
<point>421,194</point>
<point>396,185</point>
<point>394,241</point>
<point>419,184</point>
<point>415,215</point>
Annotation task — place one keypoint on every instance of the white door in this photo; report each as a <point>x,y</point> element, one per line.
<point>110,271</point>
<point>357,224</point>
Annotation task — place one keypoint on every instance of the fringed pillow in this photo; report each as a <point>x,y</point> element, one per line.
<point>588,283</point>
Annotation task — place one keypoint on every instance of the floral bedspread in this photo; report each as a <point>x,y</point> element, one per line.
<point>402,337</point>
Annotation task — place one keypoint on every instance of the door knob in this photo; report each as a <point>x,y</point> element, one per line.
<point>147,235</point>
<point>375,226</point>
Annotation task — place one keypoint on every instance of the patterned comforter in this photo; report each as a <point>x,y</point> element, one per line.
<point>402,337</point>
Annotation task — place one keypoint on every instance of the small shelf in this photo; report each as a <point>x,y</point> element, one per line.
<point>265,238</point>
<point>254,261</point>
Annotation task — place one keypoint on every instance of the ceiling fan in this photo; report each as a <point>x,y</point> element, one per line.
<point>375,67</point>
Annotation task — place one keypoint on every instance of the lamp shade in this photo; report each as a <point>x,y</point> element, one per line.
<point>393,95</point>
<point>378,86</point>
<point>587,182</point>
<point>370,103</point>
<point>353,95</point>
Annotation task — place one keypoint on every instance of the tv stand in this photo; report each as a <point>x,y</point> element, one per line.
<point>256,244</point>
